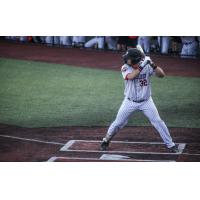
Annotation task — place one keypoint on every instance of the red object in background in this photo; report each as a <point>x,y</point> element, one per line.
<point>29,38</point>
<point>132,41</point>
<point>133,37</point>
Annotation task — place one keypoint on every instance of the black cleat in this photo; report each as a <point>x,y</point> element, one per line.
<point>104,145</point>
<point>174,149</point>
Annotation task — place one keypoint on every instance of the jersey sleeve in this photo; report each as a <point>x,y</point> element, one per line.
<point>151,70</point>
<point>125,71</point>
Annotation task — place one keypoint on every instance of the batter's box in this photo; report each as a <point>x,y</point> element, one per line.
<point>120,147</point>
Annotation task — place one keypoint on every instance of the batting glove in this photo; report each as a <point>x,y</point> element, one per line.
<point>152,64</point>
<point>147,60</point>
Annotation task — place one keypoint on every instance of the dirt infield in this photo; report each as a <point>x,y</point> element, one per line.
<point>82,143</point>
<point>132,144</point>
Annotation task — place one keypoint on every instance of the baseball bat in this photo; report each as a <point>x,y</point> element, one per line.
<point>140,48</point>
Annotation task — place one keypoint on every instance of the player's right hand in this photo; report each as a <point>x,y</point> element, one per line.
<point>147,60</point>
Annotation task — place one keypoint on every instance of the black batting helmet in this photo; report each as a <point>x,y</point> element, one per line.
<point>134,55</point>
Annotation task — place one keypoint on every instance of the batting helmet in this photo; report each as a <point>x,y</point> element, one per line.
<point>134,55</point>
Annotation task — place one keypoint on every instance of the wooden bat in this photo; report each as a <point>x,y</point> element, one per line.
<point>140,48</point>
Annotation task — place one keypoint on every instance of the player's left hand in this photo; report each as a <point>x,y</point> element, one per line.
<point>152,64</point>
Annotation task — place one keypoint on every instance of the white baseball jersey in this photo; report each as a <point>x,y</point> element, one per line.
<point>138,89</point>
<point>138,97</point>
<point>190,47</point>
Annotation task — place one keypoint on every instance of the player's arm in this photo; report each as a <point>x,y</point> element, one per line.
<point>133,74</point>
<point>137,69</point>
<point>159,72</point>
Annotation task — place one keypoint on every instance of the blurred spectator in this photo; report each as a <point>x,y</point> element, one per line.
<point>97,41</point>
<point>42,38</point>
<point>23,38</point>
<point>111,42</point>
<point>132,41</point>
<point>78,41</point>
<point>11,37</point>
<point>66,40</point>
<point>144,41</point>
<point>56,40</point>
<point>190,47</point>
<point>36,39</point>
<point>175,43</point>
<point>122,42</point>
<point>49,40</point>
<point>164,44</point>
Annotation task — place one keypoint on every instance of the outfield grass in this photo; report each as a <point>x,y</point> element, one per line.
<point>35,94</point>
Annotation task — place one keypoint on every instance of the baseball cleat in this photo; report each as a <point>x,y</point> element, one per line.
<point>104,145</point>
<point>174,149</point>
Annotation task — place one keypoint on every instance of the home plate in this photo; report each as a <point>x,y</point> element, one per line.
<point>113,157</point>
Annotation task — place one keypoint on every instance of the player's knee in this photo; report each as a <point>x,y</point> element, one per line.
<point>119,124</point>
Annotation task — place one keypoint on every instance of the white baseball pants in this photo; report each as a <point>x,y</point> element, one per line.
<point>144,41</point>
<point>66,40</point>
<point>150,111</point>
<point>96,40</point>
<point>164,43</point>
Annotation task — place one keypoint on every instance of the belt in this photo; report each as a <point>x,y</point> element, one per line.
<point>136,101</point>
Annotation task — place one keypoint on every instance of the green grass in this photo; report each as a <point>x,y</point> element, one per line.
<point>35,94</point>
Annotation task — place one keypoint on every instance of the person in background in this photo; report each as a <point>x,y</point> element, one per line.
<point>122,42</point>
<point>189,47</point>
<point>111,42</point>
<point>23,38</point>
<point>56,40</point>
<point>78,41</point>
<point>144,42</point>
<point>164,44</point>
<point>66,40</point>
<point>49,40</point>
<point>132,41</point>
<point>42,39</point>
<point>97,41</point>
<point>175,43</point>
<point>36,39</point>
<point>14,38</point>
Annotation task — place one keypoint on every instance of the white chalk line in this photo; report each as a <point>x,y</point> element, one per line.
<point>54,158</point>
<point>67,145</point>
<point>191,154</point>
<point>71,142</point>
<point>31,140</point>
<point>126,158</point>
<point>121,152</point>
<point>113,157</point>
<point>181,147</point>
<point>123,142</point>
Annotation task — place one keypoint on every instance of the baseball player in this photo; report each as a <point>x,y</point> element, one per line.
<point>66,40</point>
<point>98,40</point>
<point>136,71</point>
<point>190,47</point>
<point>145,42</point>
<point>164,43</point>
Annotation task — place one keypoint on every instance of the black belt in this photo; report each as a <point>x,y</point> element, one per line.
<point>136,101</point>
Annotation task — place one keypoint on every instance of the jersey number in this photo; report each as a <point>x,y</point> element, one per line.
<point>143,82</point>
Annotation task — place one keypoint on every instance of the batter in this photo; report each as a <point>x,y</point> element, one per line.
<point>136,72</point>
